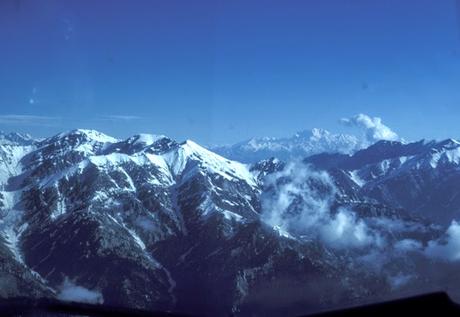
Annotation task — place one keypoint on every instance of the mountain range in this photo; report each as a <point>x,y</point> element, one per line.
<point>149,222</point>
<point>300,145</point>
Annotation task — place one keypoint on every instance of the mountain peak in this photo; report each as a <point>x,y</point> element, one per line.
<point>88,134</point>
<point>145,139</point>
<point>16,138</point>
<point>300,145</point>
<point>449,143</point>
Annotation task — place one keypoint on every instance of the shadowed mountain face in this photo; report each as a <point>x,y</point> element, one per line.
<point>152,223</point>
<point>422,177</point>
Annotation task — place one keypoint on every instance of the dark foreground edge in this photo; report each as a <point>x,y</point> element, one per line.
<point>435,304</point>
<point>44,307</point>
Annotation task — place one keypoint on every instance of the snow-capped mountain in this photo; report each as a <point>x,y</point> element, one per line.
<point>300,145</point>
<point>422,177</point>
<point>15,138</point>
<point>149,222</point>
<point>113,203</point>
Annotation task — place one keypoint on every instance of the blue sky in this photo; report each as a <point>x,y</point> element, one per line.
<point>223,71</point>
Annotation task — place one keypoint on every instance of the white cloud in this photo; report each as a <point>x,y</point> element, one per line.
<point>146,223</point>
<point>399,280</point>
<point>299,203</point>
<point>373,127</point>
<point>69,291</point>
<point>448,247</point>
<point>19,119</point>
<point>407,245</point>
<point>345,230</point>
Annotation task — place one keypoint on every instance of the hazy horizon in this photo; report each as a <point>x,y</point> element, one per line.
<point>221,72</point>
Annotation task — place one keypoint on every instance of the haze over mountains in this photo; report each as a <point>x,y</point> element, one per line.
<point>309,142</point>
<point>150,222</point>
<point>302,144</point>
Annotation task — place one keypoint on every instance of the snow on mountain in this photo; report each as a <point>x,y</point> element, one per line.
<point>149,222</point>
<point>10,161</point>
<point>178,163</point>
<point>13,147</point>
<point>190,151</point>
<point>145,139</point>
<point>132,165</point>
<point>15,138</point>
<point>421,176</point>
<point>145,189</point>
<point>301,145</point>
<point>89,135</point>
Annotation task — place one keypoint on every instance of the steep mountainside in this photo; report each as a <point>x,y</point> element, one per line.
<point>153,223</point>
<point>422,177</point>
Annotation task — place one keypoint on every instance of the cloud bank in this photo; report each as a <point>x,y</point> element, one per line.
<point>373,128</point>
<point>69,291</point>
<point>299,203</point>
<point>448,247</point>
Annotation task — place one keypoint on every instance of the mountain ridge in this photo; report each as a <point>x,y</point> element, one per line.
<point>301,144</point>
<point>153,218</point>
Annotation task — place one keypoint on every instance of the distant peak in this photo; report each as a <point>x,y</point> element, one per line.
<point>90,134</point>
<point>318,133</point>
<point>449,143</point>
<point>300,145</point>
<point>16,138</point>
<point>453,141</point>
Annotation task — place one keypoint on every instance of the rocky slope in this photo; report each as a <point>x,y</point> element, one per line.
<point>152,223</point>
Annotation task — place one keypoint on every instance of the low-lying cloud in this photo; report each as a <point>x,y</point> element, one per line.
<point>146,223</point>
<point>299,203</point>
<point>408,245</point>
<point>344,229</point>
<point>447,247</point>
<point>69,291</point>
<point>373,128</point>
